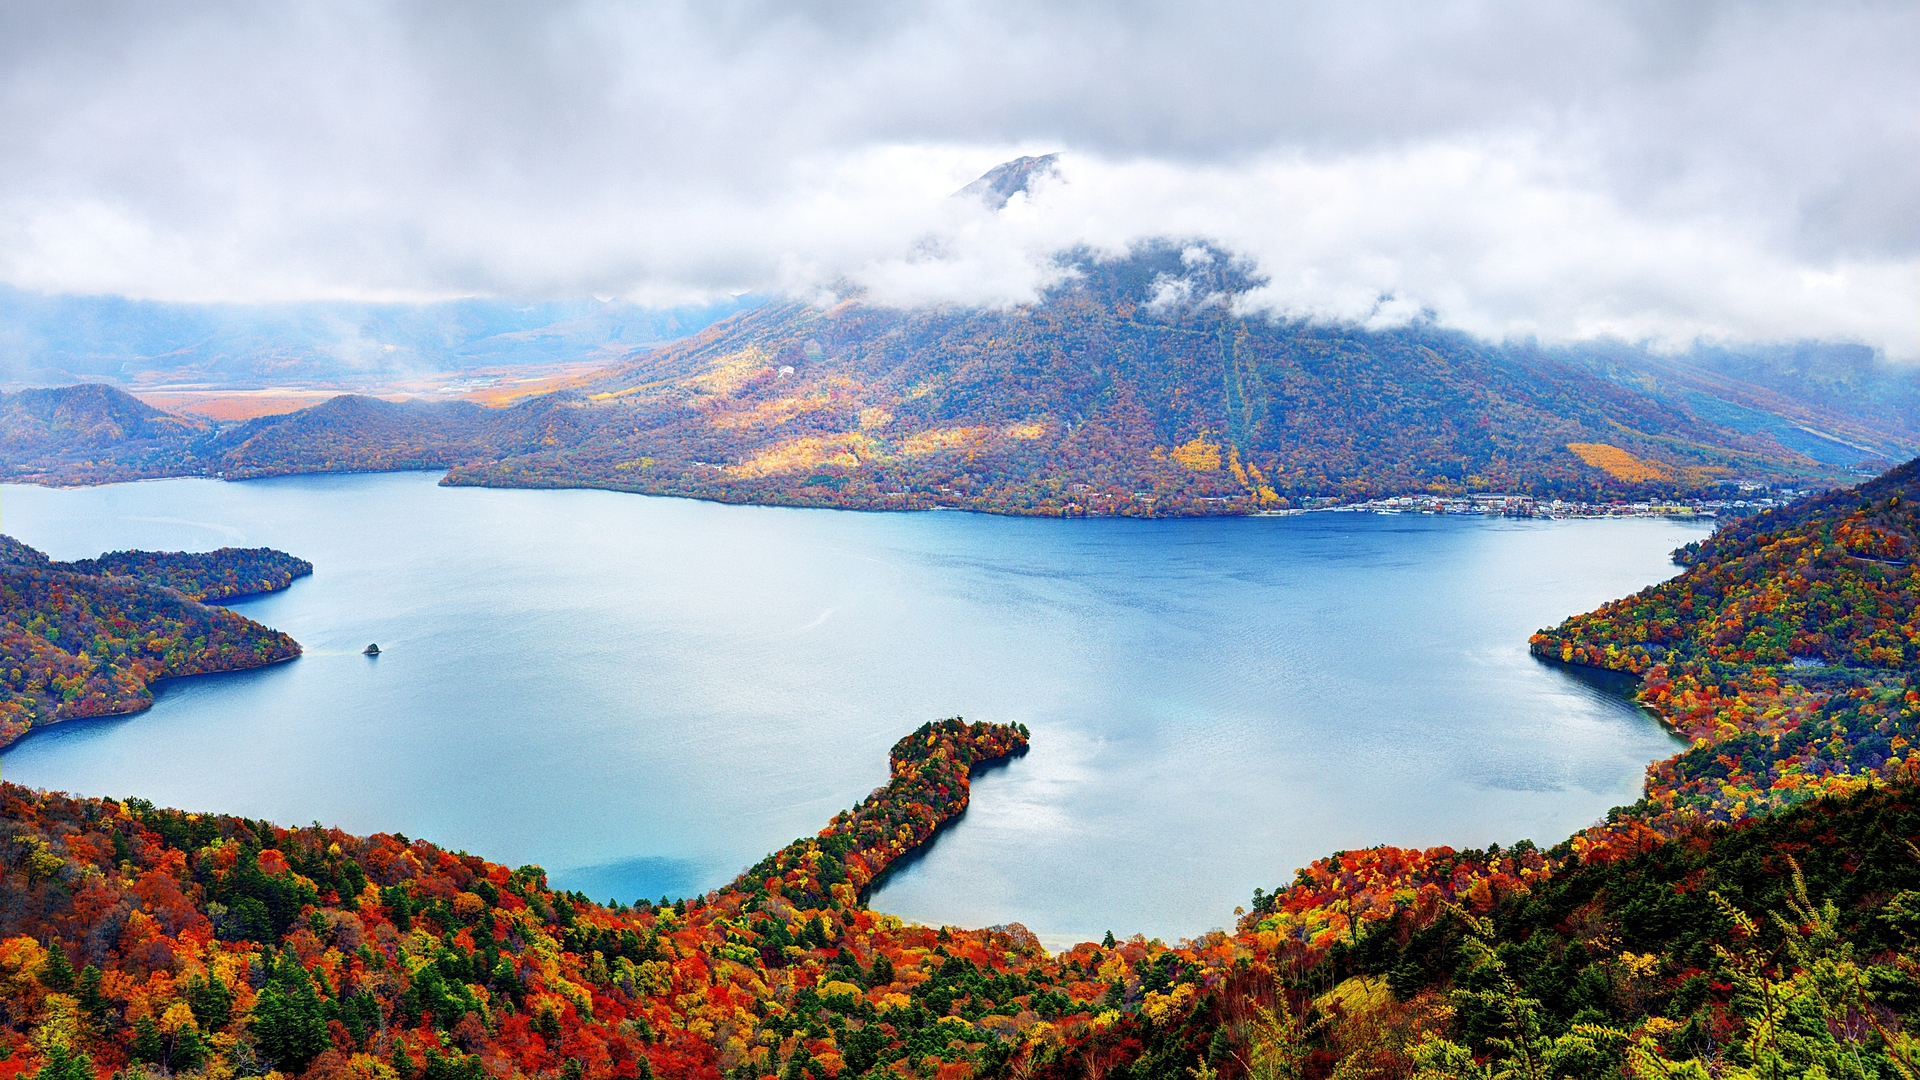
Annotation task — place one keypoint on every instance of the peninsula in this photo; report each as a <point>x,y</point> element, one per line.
<point>1768,873</point>
<point>89,638</point>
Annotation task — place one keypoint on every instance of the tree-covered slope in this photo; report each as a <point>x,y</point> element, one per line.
<point>206,576</point>
<point>1753,917</point>
<point>1788,648</point>
<point>88,639</point>
<point>1133,387</point>
<point>93,433</point>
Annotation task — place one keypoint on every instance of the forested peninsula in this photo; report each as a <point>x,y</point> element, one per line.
<point>1755,915</point>
<point>89,638</point>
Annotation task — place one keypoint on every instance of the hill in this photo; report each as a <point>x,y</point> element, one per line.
<point>1701,932</point>
<point>1132,388</point>
<point>351,433</point>
<point>93,433</point>
<point>89,638</point>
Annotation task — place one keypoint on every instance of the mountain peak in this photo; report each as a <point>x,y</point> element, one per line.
<point>1004,181</point>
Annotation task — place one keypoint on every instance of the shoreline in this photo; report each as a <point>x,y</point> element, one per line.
<point>1479,504</point>
<point>151,688</point>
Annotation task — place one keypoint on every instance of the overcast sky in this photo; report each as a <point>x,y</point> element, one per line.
<point>1659,171</point>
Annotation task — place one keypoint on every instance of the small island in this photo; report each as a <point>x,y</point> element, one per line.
<point>371,650</point>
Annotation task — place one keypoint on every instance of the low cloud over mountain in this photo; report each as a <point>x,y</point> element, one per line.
<point>1727,171</point>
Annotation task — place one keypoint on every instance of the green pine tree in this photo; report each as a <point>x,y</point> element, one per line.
<point>289,1021</point>
<point>57,973</point>
<point>90,995</point>
<point>64,1064</point>
<point>189,1050</point>
<point>147,1043</point>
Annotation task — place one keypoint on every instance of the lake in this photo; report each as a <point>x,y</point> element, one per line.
<point>645,695</point>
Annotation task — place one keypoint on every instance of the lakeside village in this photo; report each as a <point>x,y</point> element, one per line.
<point>1740,498</point>
<point>1752,498</point>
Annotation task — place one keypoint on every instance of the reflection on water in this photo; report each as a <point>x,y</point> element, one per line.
<point>646,695</point>
<point>1606,685</point>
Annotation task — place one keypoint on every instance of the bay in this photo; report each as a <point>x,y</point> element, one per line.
<point>644,695</point>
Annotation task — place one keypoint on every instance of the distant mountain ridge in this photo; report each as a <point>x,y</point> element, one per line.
<point>1131,388</point>
<point>146,343</point>
<point>1834,402</point>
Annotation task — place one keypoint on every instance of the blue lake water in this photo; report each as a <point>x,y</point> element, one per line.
<point>645,695</point>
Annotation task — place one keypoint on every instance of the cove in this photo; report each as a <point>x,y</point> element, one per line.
<point>646,695</point>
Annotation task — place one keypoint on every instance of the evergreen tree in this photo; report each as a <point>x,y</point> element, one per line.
<point>211,1002</point>
<point>147,1044</point>
<point>288,1019</point>
<point>64,1064</point>
<point>90,995</point>
<point>189,1050</point>
<point>57,973</point>
<point>798,1064</point>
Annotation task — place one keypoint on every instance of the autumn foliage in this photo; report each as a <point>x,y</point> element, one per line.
<point>225,574</point>
<point>1135,386</point>
<point>929,787</point>
<point>1755,915</point>
<point>145,939</point>
<point>88,639</point>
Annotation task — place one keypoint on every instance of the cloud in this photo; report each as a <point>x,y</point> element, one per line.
<point>1658,171</point>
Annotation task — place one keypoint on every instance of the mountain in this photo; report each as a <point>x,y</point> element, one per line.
<point>140,343</point>
<point>1002,182</point>
<point>1133,387</point>
<point>352,433</point>
<point>93,433</point>
<point>1836,403</point>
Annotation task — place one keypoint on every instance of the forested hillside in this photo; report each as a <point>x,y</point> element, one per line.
<point>1756,915</point>
<point>89,638</point>
<point>1132,388</point>
<point>92,433</point>
<point>207,576</point>
<point>77,434</point>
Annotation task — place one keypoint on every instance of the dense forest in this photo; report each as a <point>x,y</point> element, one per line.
<point>1787,650</point>
<point>1132,388</point>
<point>225,574</point>
<point>89,638</point>
<point>1135,387</point>
<point>1756,915</point>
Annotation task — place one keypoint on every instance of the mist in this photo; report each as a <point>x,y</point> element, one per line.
<point>1719,172</point>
